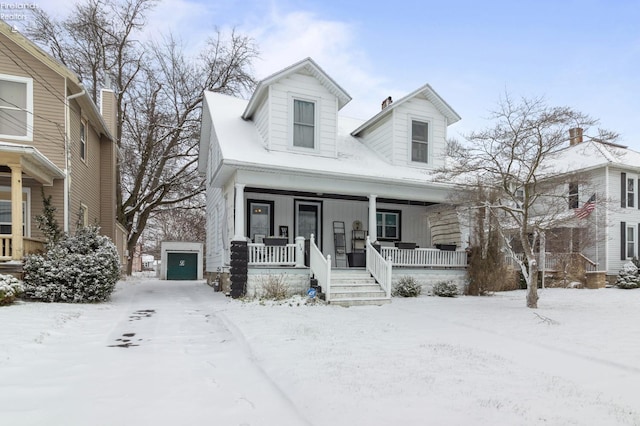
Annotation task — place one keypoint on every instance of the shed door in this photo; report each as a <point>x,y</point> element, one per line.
<point>182,266</point>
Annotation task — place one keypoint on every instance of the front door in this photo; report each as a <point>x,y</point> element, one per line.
<point>308,215</point>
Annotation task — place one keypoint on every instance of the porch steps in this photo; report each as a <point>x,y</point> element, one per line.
<point>355,288</point>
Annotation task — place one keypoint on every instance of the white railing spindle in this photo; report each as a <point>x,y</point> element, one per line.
<point>379,267</point>
<point>320,268</point>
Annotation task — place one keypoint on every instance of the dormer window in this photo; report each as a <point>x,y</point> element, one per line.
<point>304,124</point>
<point>419,141</point>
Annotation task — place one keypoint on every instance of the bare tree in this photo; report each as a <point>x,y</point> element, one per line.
<point>516,158</point>
<point>159,93</point>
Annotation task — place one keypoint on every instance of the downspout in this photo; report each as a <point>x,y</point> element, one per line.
<point>606,221</point>
<point>67,157</point>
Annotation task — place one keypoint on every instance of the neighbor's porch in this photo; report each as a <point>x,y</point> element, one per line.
<point>17,164</point>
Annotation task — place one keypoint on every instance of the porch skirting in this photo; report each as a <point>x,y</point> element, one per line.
<point>297,279</point>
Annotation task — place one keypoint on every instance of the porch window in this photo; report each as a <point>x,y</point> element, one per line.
<point>303,124</point>
<point>388,224</point>
<point>16,107</point>
<point>5,217</point>
<point>419,141</point>
<point>260,219</point>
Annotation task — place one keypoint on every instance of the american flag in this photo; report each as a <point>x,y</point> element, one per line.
<point>586,208</point>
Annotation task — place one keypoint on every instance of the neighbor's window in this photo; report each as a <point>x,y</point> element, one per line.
<point>631,242</point>
<point>573,195</point>
<point>388,225</point>
<point>83,215</point>
<point>16,107</point>
<point>83,140</point>
<point>5,217</point>
<point>630,192</point>
<point>419,141</point>
<point>303,124</point>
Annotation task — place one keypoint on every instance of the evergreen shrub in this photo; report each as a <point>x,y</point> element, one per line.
<point>80,268</point>
<point>445,289</point>
<point>10,289</point>
<point>629,276</point>
<point>406,286</point>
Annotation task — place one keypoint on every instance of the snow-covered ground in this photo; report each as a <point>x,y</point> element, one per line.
<point>177,353</point>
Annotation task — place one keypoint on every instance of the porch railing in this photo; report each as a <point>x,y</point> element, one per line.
<point>425,257</point>
<point>379,267</point>
<point>29,246</point>
<point>261,254</point>
<point>320,267</point>
<point>557,261</point>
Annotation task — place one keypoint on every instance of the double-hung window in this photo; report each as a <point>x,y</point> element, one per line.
<point>388,224</point>
<point>631,192</point>
<point>419,141</point>
<point>5,217</point>
<point>83,140</point>
<point>631,242</point>
<point>304,128</point>
<point>573,195</point>
<point>16,107</point>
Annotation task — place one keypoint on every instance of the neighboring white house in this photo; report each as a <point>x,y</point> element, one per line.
<point>286,164</point>
<point>613,175</point>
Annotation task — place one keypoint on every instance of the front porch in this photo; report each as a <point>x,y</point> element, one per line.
<point>371,284</point>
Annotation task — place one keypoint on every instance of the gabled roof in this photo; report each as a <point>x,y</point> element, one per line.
<point>75,86</point>
<point>426,91</point>
<point>307,65</point>
<point>591,155</point>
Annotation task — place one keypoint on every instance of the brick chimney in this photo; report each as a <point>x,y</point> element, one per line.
<point>387,102</point>
<point>575,136</point>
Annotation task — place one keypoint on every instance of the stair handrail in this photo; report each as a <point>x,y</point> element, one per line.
<point>320,267</point>
<point>379,267</point>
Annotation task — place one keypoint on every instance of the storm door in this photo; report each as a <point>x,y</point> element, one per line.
<point>308,220</point>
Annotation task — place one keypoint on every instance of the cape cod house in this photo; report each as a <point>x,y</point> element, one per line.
<point>295,189</point>
<point>53,140</point>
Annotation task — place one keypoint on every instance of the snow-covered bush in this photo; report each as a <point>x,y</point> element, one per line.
<point>406,286</point>
<point>80,268</point>
<point>273,287</point>
<point>10,288</point>
<point>628,277</point>
<point>445,289</point>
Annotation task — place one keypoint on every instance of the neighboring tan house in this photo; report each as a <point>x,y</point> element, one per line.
<point>52,138</point>
<point>285,165</point>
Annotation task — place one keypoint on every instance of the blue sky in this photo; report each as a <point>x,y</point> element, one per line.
<point>581,54</point>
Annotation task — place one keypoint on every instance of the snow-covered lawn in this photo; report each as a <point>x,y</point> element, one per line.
<point>177,353</point>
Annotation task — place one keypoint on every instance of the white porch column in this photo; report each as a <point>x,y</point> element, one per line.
<point>17,242</point>
<point>373,228</point>
<point>239,234</point>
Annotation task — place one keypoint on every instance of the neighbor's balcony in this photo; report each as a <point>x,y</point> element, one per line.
<point>30,246</point>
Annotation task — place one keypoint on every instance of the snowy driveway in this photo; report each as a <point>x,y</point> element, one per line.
<point>176,353</point>
<point>157,354</point>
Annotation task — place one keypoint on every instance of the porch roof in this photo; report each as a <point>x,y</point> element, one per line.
<point>33,162</point>
<point>242,148</point>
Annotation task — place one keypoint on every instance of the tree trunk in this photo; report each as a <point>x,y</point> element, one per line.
<point>532,287</point>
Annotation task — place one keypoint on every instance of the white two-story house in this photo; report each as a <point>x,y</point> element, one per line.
<point>285,166</point>
<point>612,229</point>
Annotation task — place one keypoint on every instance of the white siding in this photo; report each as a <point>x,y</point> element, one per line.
<point>261,120</point>
<point>618,214</point>
<point>304,87</point>
<point>380,138</point>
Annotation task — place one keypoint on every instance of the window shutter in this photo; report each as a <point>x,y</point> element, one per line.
<point>623,190</point>
<point>623,240</point>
